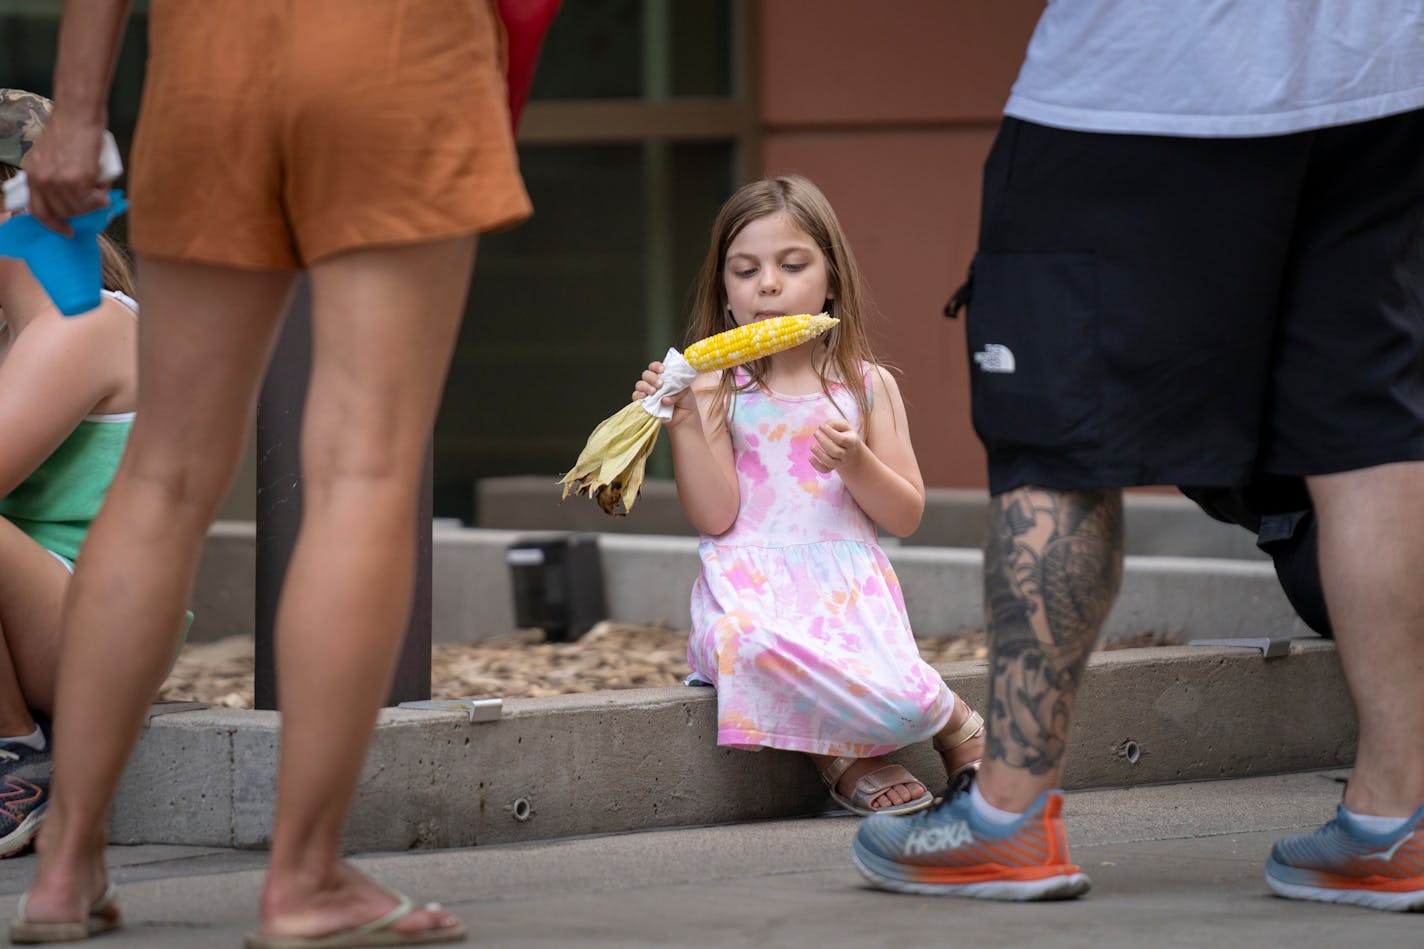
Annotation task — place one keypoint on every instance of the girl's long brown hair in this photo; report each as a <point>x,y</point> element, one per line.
<point>846,347</point>
<point>114,267</point>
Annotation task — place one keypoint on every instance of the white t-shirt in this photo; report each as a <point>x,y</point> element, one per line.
<point>1220,68</point>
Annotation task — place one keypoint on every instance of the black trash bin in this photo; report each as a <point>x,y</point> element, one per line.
<point>557,584</point>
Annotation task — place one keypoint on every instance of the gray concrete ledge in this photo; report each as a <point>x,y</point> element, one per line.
<point>1155,524</point>
<point>648,580</point>
<point>616,761</point>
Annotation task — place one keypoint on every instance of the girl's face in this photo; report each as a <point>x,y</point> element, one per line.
<point>774,268</point>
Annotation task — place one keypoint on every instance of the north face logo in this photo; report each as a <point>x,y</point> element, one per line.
<point>995,357</point>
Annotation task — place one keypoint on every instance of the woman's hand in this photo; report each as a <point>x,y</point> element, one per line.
<point>837,444</point>
<point>63,171</point>
<point>684,403</point>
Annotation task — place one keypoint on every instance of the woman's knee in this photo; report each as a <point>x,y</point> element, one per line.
<point>193,478</point>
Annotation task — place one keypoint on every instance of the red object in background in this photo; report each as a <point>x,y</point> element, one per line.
<point>525,23</point>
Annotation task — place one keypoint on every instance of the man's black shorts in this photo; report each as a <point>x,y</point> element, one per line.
<point>1161,310</point>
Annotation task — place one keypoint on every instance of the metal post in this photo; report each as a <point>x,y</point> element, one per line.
<point>279,514</point>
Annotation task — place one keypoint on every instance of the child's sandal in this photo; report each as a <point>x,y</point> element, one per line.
<point>871,785</point>
<point>972,728</point>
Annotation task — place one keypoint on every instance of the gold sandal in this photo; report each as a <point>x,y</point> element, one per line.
<point>871,785</point>
<point>972,728</point>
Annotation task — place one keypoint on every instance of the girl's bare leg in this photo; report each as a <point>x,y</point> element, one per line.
<point>204,337</point>
<point>32,585</point>
<point>384,325</point>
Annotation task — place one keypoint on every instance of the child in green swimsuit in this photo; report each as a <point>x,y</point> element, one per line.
<point>68,389</point>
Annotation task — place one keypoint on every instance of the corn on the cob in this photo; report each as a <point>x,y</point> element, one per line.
<point>610,467</point>
<point>755,340</point>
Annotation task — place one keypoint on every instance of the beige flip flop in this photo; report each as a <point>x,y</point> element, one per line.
<point>377,932</point>
<point>24,932</point>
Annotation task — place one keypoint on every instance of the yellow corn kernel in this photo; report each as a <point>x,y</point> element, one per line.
<point>754,340</point>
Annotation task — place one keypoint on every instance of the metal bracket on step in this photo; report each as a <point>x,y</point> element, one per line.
<point>168,708</point>
<point>479,710</point>
<point>1272,647</point>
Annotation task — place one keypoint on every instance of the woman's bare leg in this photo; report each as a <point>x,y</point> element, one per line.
<point>204,337</point>
<point>384,324</point>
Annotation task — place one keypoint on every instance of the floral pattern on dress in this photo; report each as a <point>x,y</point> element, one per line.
<point>797,615</point>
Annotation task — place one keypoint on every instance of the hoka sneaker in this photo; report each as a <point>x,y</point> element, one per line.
<point>24,795</point>
<point>1344,863</point>
<point>947,851</point>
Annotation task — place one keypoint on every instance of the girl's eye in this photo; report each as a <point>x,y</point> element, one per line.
<point>749,272</point>
<point>794,267</point>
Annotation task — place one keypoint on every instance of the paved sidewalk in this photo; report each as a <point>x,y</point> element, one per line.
<point>1176,865</point>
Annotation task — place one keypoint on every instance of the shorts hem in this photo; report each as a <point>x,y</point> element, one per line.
<point>241,259</point>
<point>1057,476</point>
<point>483,224</point>
<point>1341,462</point>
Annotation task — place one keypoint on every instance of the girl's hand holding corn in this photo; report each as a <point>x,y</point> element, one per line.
<point>683,404</point>
<point>610,468</point>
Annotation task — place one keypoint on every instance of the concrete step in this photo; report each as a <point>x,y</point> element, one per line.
<point>644,758</point>
<point>648,581</point>
<point>1156,523</point>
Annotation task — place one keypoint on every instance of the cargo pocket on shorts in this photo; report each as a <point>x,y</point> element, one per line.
<point>1035,361</point>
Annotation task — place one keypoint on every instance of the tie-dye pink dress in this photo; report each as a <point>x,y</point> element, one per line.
<point>797,616</point>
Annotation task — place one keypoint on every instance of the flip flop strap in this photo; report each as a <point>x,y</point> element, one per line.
<point>98,906</point>
<point>105,898</point>
<point>403,908</point>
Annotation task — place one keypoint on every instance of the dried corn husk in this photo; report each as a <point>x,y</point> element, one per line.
<point>611,466</point>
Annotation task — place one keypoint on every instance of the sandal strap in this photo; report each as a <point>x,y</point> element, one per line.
<point>832,773</point>
<point>874,783</point>
<point>972,726</point>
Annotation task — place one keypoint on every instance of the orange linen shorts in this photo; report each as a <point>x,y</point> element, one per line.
<point>274,133</point>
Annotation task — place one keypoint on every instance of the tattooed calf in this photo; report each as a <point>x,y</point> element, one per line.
<point>1052,566</point>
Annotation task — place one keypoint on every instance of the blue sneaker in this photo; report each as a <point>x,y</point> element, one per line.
<point>1344,863</point>
<point>24,796</point>
<point>947,851</point>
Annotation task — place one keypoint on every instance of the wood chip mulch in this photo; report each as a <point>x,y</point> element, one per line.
<point>522,664</point>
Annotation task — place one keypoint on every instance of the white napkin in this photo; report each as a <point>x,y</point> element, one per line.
<point>677,375</point>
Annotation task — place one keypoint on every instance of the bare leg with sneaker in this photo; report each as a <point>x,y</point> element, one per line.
<point>1372,853</point>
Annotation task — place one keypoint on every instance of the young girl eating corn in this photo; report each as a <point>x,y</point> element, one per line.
<point>786,466</point>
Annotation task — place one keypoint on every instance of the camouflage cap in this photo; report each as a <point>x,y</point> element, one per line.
<point>22,118</point>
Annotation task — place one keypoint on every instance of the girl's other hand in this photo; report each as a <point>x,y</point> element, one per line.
<point>837,444</point>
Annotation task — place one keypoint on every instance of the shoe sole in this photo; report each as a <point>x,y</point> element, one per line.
<point>16,842</point>
<point>1406,902</point>
<point>886,875</point>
